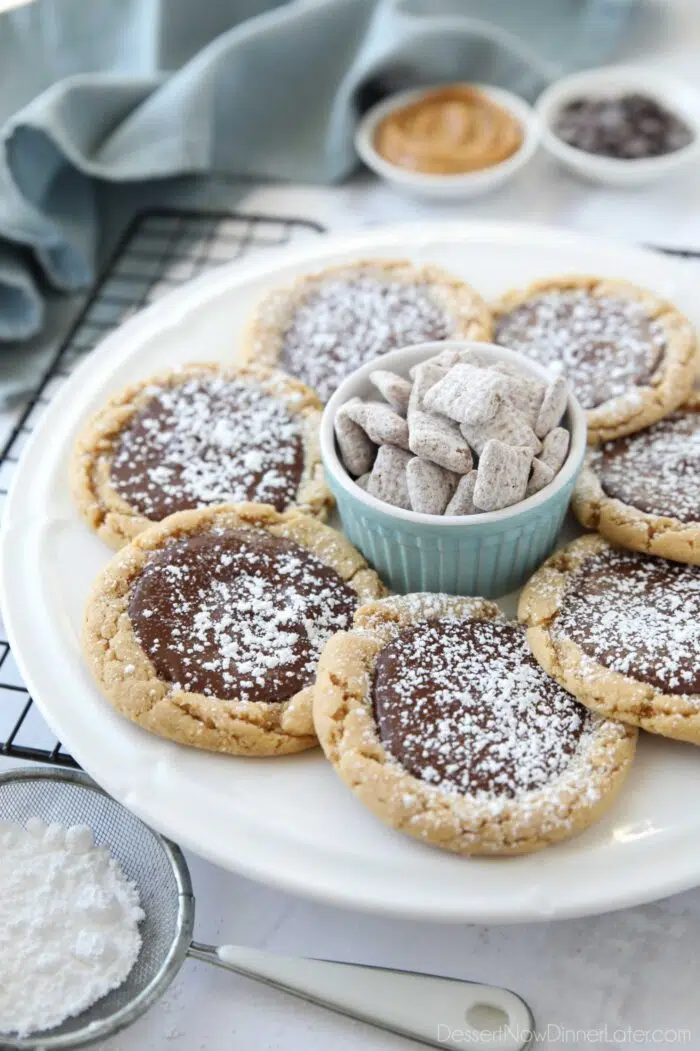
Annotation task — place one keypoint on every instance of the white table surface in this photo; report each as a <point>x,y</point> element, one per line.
<point>587,981</point>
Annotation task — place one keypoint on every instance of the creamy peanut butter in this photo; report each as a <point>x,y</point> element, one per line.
<point>449,131</point>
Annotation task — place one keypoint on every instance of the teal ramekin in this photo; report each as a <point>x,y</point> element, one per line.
<point>488,554</point>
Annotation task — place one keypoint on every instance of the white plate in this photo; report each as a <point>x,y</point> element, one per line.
<point>290,821</point>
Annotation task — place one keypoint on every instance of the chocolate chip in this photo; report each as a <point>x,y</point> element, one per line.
<point>628,127</point>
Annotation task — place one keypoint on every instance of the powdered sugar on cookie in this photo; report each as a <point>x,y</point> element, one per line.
<point>345,322</point>
<point>436,715</point>
<point>463,706</point>
<point>606,345</point>
<point>237,614</point>
<point>635,615</point>
<point>656,470</point>
<point>208,440</point>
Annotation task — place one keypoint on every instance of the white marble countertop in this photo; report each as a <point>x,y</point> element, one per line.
<point>624,978</point>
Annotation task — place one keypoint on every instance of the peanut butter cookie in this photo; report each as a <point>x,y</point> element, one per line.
<point>630,356</point>
<point>325,325</point>
<point>206,629</point>
<point>642,491</point>
<point>436,715</point>
<point>620,631</point>
<point>198,436</point>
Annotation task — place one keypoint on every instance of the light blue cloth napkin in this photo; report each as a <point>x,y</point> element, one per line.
<point>99,98</point>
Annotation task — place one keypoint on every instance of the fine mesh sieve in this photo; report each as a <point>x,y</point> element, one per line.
<point>156,866</point>
<point>424,1007</point>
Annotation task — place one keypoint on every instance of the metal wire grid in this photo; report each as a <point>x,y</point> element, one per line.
<point>159,251</point>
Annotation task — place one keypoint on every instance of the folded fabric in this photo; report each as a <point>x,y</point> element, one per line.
<point>98,98</point>
<point>21,306</point>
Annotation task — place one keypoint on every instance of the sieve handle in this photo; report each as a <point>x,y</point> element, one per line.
<point>441,1012</point>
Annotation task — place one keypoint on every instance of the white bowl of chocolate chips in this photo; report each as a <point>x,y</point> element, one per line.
<point>621,126</point>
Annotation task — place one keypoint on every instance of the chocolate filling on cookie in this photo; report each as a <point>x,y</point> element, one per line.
<point>463,705</point>
<point>636,615</point>
<point>237,614</point>
<point>209,440</point>
<point>607,346</point>
<point>656,470</point>
<point>347,322</point>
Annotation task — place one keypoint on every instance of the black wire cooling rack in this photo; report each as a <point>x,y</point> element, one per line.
<point>161,249</point>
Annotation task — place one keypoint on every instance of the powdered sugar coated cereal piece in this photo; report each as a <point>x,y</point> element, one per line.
<point>437,439</point>
<point>493,394</point>
<point>363,480</point>
<point>506,369</point>
<point>502,475</point>
<point>465,388</point>
<point>379,422</point>
<point>506,425</point>
<point>424,376</point>
<point>553,406</point>
<point>555,448</point>
<point>447,358</point>
<point>357,450</point>
<point>429,367</point>
<point>526,394</point>
<point>473,395</point>
<point>388,480</point>
<point>395,389</point>
<point>429,486</point>
<point>540,476</point>
<point>462,503</point>
<point>468,356</point>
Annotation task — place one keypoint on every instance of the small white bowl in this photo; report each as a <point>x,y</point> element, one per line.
<point>447,187</point>
<point>678,97</point>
